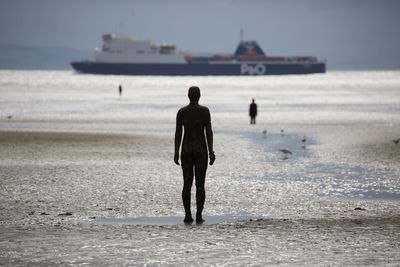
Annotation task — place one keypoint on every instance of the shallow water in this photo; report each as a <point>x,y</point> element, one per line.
<point>64,100</point>
<point>175,220</point>
<point>339,179</point>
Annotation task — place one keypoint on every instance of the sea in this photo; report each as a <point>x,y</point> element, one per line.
<point>64,100</point>
<point>317,136</point>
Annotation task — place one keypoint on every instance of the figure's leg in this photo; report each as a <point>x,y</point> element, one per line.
<point>200,173</point>
<point>187,168</point>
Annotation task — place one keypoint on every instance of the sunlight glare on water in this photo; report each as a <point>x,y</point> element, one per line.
<point>325,107</point>
<point>150,103</point>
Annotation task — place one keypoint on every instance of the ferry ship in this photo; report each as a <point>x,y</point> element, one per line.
<point>125,56</point>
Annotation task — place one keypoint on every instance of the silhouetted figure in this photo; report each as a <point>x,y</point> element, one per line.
<point>120,90</point>
<point>253,112</point>
<point>197,143</point>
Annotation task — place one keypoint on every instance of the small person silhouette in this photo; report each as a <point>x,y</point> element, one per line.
<point>120,90</point>
<point>197,141</point>
<point>253,112</point>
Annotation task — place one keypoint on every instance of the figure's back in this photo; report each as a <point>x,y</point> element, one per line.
<point>253,109</point>
<point>194,119</point>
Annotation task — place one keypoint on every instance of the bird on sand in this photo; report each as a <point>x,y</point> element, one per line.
<point>265,133</point>
<point>303,141</point>
<point>286,151</point>
<point>396,141</point>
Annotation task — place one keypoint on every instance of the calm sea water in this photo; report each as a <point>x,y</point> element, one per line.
<point>300,105</point>
<point>63,100</point>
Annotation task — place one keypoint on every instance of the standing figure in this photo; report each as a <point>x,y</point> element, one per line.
<point>197,145</point>
<point>120,90</point>
<point>253,112</point>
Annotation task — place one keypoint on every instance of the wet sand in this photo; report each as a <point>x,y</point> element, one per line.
<point>320,242</point>
<point>55,185</point>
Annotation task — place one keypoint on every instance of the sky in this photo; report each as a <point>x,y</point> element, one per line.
<point>348,33</point>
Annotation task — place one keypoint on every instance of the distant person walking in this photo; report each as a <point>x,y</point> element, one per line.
<point>253,112</point>
<point>197,143</point>
<point>120,90</point>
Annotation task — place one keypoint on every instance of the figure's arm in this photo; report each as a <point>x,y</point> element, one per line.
<point>178,138</point>
<point>210,137</point>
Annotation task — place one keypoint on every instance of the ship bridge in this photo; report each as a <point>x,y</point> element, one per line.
<point>126,50</point>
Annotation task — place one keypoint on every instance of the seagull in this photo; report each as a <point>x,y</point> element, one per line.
<point>396,141</point>
<point>265,133</point>
<point>303,140</point>
<point>286,152</point>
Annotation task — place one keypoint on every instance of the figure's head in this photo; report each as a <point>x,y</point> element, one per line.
<point>194,94</point>
<point>253,100</point>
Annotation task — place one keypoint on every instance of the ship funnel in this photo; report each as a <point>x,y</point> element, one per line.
<point>249,48</point>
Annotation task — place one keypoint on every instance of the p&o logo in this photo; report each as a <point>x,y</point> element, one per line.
<point>252,69</point>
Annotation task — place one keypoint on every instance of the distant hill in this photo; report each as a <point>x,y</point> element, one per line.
<point>39,58</point>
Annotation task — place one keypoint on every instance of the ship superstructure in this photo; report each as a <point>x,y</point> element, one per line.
<point>125,50</point>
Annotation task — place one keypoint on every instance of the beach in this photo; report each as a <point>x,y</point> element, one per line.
<point>50,203</point>
<point>75,181</point>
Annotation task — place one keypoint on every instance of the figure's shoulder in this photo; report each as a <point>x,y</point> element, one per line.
<point>183,109</point>
<point>205,113</point>
<point>204,108</point>
<point>196,108</point>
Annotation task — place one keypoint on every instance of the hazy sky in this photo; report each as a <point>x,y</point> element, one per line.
<point>348,33</point>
